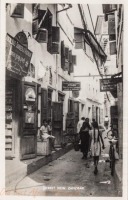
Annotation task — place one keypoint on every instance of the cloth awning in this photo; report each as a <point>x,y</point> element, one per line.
<point>82,35</point>
<point>95,44</point>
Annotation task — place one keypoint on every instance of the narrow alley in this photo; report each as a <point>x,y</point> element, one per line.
<point>63,76</point>
<point>69,175</point>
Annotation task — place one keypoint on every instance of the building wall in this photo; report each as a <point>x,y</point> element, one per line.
<point>41,58</point>
<point>120,45</point>
<point>90,86</point>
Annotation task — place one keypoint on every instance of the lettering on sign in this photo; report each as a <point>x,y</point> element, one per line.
<point>71,86</point>
<point>17,56</point>
<point>108,84</point>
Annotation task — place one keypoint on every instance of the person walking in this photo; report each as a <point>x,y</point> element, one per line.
<point>44,133</point>
<point>95,144</point>
<point>84,136</point>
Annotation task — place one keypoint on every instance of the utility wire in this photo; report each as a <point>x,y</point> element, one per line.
<point>85,27</point>
<point>91,18</point>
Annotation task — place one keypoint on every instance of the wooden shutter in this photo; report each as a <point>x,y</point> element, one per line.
<point>62,55</point>
<point>79,38</point>
<point>35,8</point>
<point>55,48</point>
<point>42,35</point>
<point>74,59</point>
<point>42,15</point>
<point>71,68</point>
<point>44,98</point>
<point>49,44</point>
<point>79,41</point>
<point>55,39</point>
<point>67,53</point>
<point>111,24</point>
<point>70,62</point>
<point>66,66</point>
<point>109,8</point>
<point>17,10</point>
<point>112,47</point>
<point>70,56</point>
<point>35,26</point>
<point>62,49</point>
<point>112,37</point>
<point>55,34</point>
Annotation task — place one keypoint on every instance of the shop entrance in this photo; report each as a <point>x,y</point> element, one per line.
<point>28,139</point>
<point>12,117</point>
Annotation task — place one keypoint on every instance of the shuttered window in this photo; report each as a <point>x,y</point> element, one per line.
<point>55,40</point>
<point>67,53</point>
<point>109,8</point>
<point>44,104</point>
<point>35,8</point>
<point>112,47</point>
<point>17,10</point>
<point>62,49</point>
<point>74,59</point>
<point>79,41</point>
<point>71,68</point>
<point>70,56</point>
<point>55,34</point>
<point>78,38</point>
<point>66,68</point>
<point>35,26</point>
<point>111,24</point>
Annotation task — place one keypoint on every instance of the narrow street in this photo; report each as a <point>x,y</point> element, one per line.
<point>69,175</point>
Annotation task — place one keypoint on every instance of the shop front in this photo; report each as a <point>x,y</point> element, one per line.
<point>21,102</point>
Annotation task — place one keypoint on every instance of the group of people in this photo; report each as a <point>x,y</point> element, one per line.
<point>90,138</point>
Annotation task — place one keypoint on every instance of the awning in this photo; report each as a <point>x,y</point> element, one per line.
<point>82,35</point>
<point>95,44</point>
<point>117,77</point>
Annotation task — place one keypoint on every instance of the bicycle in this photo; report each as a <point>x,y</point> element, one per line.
<point>113,152</point>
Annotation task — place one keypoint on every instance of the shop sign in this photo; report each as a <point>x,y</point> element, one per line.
<point>17,56</point>
<point>108,84</point>
<point>71,86</point>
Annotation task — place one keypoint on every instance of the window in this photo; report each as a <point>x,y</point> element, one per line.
<point>60,97</point>
<point>44,31</point>
<point>17,10</point>
<point>79,38</point>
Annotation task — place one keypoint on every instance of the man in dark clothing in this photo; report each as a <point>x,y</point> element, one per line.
<point>85,138</point>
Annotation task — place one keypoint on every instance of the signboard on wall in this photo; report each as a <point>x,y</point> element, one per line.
<point>75,94</point>
<point>17,56</point>
<point>108,84</point>
<point>71,86</point>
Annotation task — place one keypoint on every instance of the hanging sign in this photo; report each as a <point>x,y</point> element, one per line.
<point>17,56</point>
<point>75,94</point>
<point>108,84</point>
<point>71,86</point>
